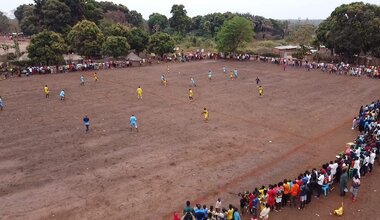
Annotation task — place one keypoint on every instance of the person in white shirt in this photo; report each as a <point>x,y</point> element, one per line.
<point>365,164</point>
<point>1,103</point>
<point>264,214</point>
<point>356,166</point>
<point>333,167</point>
<point>372,158</point>
<point>218,205</point>
<point>321,179</point>
<point>62,95</point>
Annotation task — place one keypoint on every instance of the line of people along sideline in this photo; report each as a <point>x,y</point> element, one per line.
<point>340,68</point>
<point>355,162</point>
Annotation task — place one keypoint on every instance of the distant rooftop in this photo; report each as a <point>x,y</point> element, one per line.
<point>287,47</point>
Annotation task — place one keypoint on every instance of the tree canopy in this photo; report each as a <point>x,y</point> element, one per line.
<point>138,39</point>
<point>47,48</point>
<point>179,21</point>
<point>86,39</point>
<point>234,34</point>
<point>115,46</point>
<point>161,43</point>
<point>157,22</point>
<point>352,29</point>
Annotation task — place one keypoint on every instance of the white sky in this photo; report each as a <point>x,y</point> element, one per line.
<point>277,9</point>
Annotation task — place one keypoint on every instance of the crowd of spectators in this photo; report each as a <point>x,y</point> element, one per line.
<point>332,68</point>
<point>349,166</point>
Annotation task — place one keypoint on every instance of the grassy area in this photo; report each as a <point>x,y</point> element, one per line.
<point>191,43</point>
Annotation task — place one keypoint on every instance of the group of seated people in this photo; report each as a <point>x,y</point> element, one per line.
<point>356,161</point>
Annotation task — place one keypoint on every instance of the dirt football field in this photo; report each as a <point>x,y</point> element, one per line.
<point>50,168</point>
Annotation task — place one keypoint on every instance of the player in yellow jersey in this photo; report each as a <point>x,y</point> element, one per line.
<point>231,75</point>
<point>96,77</point>
<point>191,94</point>
<point>205,114</point>
<point>261,91</point>
<point>139,92</point>
<point>46,90</point>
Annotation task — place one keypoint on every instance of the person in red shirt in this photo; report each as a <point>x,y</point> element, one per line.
<point>294,191</point>
<point>271,197</point>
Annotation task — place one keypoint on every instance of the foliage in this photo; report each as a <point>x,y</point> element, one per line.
<point>93,11</point>
<point>179,21</point>
<point>86,39</point>
<point>134,18</point>
<point>234,34</point>
<point>138,39</point>
<point>4,23</point>
<point>111,29</point>
<point>352,29</point>
<point>302,34</point>
<point>161,43</point>
<point>56,16</point>
<point>47,48</point>
<point>157,22</point>
<point>77,10</point>
<point>115,46</point>
<point>301,52</point>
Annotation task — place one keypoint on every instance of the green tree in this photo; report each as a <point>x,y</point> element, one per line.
<point>19,13</point>
<point>161,43</point>
<point>302,34</point>
<point>4,23</point>
<point>112,29</point>
<point>86,39</point>
<point>157,22</point>
<point>138,39</point>
<point>115,46</point>
<point>93,11</point>
<point>30,21</point>
<point>234,34</point>
<point>352,29</point>
<point>77,10</point>
<point>134,18</point>
<point>56,16</point>
<point>47,48</point>
<point>179,21</point>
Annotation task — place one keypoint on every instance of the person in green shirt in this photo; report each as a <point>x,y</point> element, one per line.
<point>188,210</point>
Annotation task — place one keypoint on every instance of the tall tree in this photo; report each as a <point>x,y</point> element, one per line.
<point>77,10</point>
<point>56,16</point>
<point>138,39</point>
<point>352,29</point>
<point>157,22</point>
<point>235,33</point>
<point>93,11</point>
<point>4,23</point>
<point>302,34</point>
<point>30,21</point>
<point>134,18</point>
<point>179,21</point>
<point>86,39</point>
<point>111,29</point>
<point>161,43</point>
<point>47,48</point>
<point>115,46</point>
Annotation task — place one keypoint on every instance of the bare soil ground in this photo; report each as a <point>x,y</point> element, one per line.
<point>51,169</point>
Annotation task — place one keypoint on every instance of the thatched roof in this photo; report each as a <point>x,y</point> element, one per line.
<point>133,57</point>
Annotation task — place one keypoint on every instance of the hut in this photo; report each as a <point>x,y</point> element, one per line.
<point>132,58</point>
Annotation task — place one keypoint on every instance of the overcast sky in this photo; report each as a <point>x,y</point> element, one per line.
<point>277,9</point>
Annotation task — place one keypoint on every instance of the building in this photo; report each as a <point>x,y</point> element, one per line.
<point>285,51</point>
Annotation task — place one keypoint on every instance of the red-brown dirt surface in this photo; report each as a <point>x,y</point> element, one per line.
<point>51,169</point>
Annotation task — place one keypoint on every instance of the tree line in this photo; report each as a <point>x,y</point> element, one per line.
<point>94,29</point>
